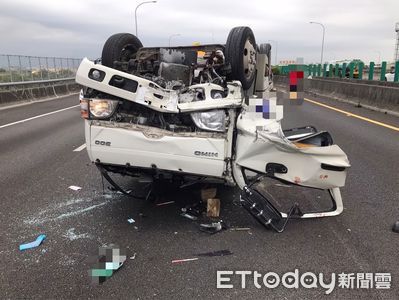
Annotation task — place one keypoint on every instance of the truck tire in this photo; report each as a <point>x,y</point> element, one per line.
<point>119,47</point>
<point>240,53</point>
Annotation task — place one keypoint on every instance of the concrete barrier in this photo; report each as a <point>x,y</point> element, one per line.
<point>377,95</point>
<point>36,90</point>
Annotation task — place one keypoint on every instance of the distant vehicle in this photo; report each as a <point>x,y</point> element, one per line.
<point>356,63</point>
<point>391,75</point>
<point>346,72</point>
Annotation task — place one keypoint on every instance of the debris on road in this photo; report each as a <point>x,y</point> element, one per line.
<point>188,216</point>
<point>75,187</point>
<point>110,259</point>
<point>395,227</point>
<point>165,203</point>
<point>213,207</point>
<point>216,253</point>
<point>134,256</point>
<point>191,213</point>
<point>183,260</point>
<point>131,220</point>
<point>33,244</point>
<point>208,194</point>
<point>120,193</point>
<point>283,185</point>
<point>107,196</point>
<point>240,229</point>
<point>212,227</point>
<point>72,236</point>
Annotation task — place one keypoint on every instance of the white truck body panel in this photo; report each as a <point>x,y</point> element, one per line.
<point>154,147</point>
<point>257,148</point>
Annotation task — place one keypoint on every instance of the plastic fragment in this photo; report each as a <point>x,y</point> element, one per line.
<point>131,221</point>
<point>240,229</point>
<point>188,216</point>
<point>33,244</point>
<point>194,210</point>
<point>191,212</point>
<point>120,193</point>
<point>183,260</point>
<point>213,227</point>
<point>75,188</point>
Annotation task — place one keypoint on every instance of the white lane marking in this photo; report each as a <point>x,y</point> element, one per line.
<point>39,116</point>
<point>80,148</point>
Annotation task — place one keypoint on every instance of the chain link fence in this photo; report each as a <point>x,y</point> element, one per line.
<point>19,68</point>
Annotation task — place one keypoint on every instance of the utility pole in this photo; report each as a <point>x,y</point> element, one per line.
<point>135,13</point>
<point>322,42</point>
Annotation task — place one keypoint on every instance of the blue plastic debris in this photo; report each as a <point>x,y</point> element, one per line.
<point>34,244</point>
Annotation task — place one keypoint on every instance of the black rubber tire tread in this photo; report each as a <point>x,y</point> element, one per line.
<point>234,53</point>
<point>115,44</point>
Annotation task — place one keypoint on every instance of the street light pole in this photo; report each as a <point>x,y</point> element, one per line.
<point>172,35</point>
<point>135,12</point>
<point>275,56</point>
<point>322,43</point>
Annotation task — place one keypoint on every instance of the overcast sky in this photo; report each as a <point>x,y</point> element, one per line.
<point>78,28</point>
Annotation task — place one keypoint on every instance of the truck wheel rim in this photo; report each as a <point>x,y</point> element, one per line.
<point>249,58</point>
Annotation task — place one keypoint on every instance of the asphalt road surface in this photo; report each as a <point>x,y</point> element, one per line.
<point>38,164</point>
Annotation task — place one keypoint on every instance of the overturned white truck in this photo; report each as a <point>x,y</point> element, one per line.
<point>181,114</point>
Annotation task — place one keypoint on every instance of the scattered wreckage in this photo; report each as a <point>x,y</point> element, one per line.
<point>182,114</point>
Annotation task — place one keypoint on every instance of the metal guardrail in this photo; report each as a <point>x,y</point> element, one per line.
<point>37,89</point>
<point>20,83</point>
<point>21,68</point>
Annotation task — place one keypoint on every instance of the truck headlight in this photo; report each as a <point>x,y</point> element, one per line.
<point>213,120</point>
<point>101,108</point>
